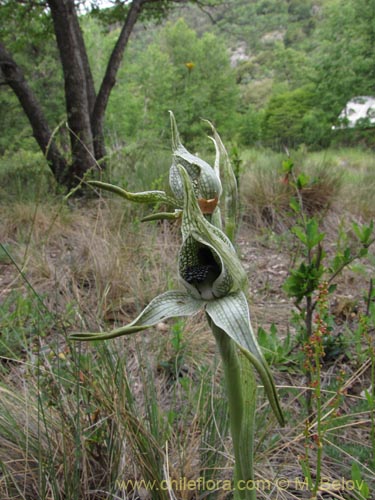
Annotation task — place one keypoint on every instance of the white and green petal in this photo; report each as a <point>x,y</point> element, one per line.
<point>206,183</point>
<point>167,305</point>
<point>177,214</point>
<point>207,251</point>
<point>231,314</point>
<point>229,198</point>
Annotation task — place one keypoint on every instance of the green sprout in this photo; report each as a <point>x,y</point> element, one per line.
<point>213,280</point>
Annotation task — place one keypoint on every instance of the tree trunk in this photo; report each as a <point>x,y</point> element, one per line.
<point>85,110</point>
<point>113,66</point>
<point>77,87</point>
<point>15,79</point>
<point>97,131</point>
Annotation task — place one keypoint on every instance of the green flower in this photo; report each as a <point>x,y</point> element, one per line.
<point>206,183</point>
<point>205,180</point>
<point>214,281</point>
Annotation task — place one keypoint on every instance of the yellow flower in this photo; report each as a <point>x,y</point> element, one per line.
<point>190,65</point>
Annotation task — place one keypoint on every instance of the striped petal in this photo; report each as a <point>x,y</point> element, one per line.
<point>167,305</point>
<point>231,314</point>
<point>206,183</point>
<point>142,197</point>
<point>206,245</point>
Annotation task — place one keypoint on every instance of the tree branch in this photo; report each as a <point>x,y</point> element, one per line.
<point>14,77</point>
<point>113,66</point>
<point>69,41</point>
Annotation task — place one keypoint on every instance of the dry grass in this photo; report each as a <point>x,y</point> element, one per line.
<point>74,419</point>
<point>91,266</point>
<point>266,192</point>
<point>92,258</point>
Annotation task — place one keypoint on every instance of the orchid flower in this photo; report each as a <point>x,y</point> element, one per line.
<point>210,272</point>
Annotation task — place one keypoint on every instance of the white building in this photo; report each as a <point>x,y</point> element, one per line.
<point>359,111</point>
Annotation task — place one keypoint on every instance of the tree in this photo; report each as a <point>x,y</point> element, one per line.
<point>189,74</point>
<point>345,55</point>
<point>283,121</point>
<point>85,108</point>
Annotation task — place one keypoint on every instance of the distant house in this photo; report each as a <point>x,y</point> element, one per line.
<point>358,112</point>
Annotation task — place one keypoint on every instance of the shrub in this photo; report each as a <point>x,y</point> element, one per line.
<point>283,122</point>
<point>25,175</point>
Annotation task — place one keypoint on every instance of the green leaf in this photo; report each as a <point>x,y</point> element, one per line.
<point>363,232</point>
<point>142,197</point>
<point>299,232</point>
<point>360,484</point>
<point>314,237</point>
<point>370,398</point>
<point>294,205</point>
<point>302,181</point>
<point>309,235</point>
<point>332,288</point>
<point>287,166</point>
<point>303,281</point>
<point>231,314</point>
<point>167,305</point>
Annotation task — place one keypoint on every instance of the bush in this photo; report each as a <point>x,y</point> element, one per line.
<point>25,175</point>
<point>266,192</point>
<point>250,127</point>
<point>284,118</point>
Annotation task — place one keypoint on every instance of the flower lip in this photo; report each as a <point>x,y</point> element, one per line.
<point>202,271</point>
<point>198,232</point>
<point>205,271</point>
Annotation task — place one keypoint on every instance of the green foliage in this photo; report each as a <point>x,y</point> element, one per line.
<point>363,488</point>
<point>303,281</point>
<point>24,175</point>
<point>178,70</point>
<point>344,56</point>
<point>310,283</point>
<point>303,61</point>
<point>20,324</point>
<point>291,66</point>
<point>283,122</point>
<point>276,351</point>
<point>250,127</point>
<point>35,52</point>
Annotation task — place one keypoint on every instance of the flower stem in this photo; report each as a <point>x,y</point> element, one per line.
<point>241,394</point>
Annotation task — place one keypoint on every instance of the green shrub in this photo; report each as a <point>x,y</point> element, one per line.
<point>284,123</point>
<point>25,175</point>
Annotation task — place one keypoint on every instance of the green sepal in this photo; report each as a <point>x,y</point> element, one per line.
<point>167,305</point>
<point>142,197</point>
<point>231,314</point>
<point>177,214</point>
<point>206,182</point>
<point>229,198</point>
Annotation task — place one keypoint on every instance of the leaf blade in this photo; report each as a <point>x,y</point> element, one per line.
<point>231,314</point>
<point>167,305</point>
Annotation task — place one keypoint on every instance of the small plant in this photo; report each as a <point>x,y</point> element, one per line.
<point>311,269</point>
<point>310,284</point>
<point>214,281</point>
<point>174,365</point>
<point>276,351</point>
